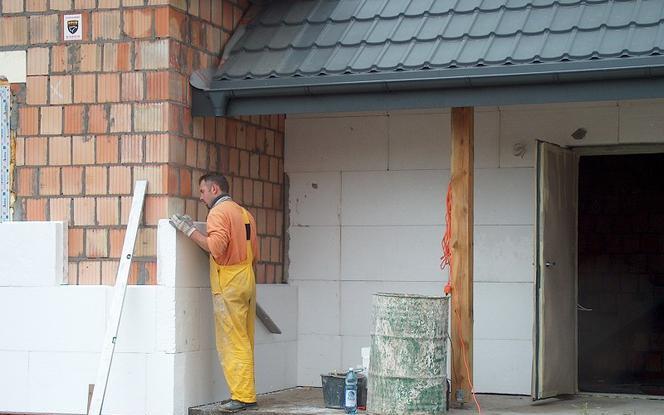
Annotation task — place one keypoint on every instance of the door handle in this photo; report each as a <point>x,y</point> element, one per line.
<point>550,264</point>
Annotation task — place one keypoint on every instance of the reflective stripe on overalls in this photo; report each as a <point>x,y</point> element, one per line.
<point>234,298</point>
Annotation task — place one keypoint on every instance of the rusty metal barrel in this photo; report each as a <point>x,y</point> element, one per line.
<point>407,367</point>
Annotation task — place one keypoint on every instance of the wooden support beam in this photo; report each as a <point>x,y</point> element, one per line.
<point>462,254</point>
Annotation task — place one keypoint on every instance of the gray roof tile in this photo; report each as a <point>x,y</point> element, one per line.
<point>345,10</point>
<point>407,29</point>
<point>321,13</point>
<point>382,31</point>
<point>394,8</point>
<point>283,37</point>
<point>418,8</point>
<point>296,15</point>
<point>315,37</point>
<point>370,9</point>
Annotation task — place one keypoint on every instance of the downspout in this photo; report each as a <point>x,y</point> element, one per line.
<point>204,102</point>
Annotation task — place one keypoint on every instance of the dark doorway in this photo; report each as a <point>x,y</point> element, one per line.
<point>621,274</point>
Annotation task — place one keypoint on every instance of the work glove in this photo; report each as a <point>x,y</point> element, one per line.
<point>183,223</point>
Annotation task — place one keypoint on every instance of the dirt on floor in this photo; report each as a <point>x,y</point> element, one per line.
<point>309,401</point>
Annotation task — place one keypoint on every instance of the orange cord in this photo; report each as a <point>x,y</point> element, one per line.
<point>446,261</point>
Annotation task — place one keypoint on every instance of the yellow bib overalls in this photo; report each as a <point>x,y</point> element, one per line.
<point>234,298</point>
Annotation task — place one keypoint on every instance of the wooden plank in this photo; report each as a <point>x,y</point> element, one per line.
<point>462,254</point>
<point>267,321</point>
<point>119,291</point>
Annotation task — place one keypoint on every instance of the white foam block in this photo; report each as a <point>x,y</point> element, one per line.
<point>13,66</point>
<point>554,124</point>
<point>14,381</point>
<point>32,253</point>
<point>198,380</point>
<point>503,311</point>
<point>317,354</point>
<point>336,143</point>
<point>275,366</point>
<point>502,366</point>
<point>137,330</point>
<point>187,318</point>
<point>318,307</point>
<point>126,391</point>
<point>314,198</point>
<point>504,253</point>
<point>62,318</point>
<point>314,252</point>
<point>377,252</point>
<point>160,392</point>
<point>642,121</point>
<point>181,262</point>
<point>280,302</point>
<point>58,381</point>
<point>504,196</point>
<point>351,350</point>
<point>165,335</point>
<point>414,197</point>
<point>206,329</point>
<point>487,139</point>
<point>419,141</point>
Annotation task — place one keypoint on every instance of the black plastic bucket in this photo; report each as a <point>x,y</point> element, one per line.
<point>334,386</point>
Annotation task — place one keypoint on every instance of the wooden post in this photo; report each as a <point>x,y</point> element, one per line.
<point>462,254</point>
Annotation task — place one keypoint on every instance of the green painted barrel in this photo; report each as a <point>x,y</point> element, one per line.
<point>407,368</point>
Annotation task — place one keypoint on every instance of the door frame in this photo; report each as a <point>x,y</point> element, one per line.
<point>579,151</point>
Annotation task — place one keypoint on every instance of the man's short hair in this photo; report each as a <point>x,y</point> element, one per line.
<point>216,178</point>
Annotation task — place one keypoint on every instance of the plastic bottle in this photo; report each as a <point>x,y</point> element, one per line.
<point>351,392</point>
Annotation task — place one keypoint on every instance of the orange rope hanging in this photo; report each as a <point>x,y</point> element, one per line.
<point>446,261</point>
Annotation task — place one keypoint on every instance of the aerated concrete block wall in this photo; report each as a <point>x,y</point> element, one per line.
<point>94,115</point>
<point>164,360</point>
<point>367,210</point>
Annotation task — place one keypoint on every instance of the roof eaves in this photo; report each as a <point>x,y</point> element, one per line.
<point>592,68</point>
<point>208,92</point>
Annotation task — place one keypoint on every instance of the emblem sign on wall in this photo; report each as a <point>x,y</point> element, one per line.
<point>73,25</point>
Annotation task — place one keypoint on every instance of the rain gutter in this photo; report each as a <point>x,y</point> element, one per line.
<point>592,80</point>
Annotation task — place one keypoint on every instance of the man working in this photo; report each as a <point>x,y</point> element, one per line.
<point>231,242</point>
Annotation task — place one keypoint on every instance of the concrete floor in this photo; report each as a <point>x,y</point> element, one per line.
<point>309,401</point>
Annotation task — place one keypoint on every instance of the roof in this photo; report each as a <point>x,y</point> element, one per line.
<point>322,48</point>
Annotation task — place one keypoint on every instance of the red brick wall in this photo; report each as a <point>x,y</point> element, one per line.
<point>96,115</point>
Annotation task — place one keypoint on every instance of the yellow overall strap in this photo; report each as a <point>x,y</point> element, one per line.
<point>247,224</point>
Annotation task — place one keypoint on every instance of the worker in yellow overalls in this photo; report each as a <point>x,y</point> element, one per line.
<point>231,242</point>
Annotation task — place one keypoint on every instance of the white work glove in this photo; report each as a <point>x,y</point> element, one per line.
<point>183,223</point>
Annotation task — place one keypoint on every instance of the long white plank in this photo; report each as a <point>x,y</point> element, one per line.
<point>108,346</point>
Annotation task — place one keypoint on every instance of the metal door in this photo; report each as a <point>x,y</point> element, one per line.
<point>555,363</point>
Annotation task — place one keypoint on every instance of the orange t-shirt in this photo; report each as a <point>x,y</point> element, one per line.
<point>227,236</point>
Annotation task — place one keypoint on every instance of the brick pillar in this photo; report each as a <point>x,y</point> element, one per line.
<point>96,115</point>
<point>248,150</point>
